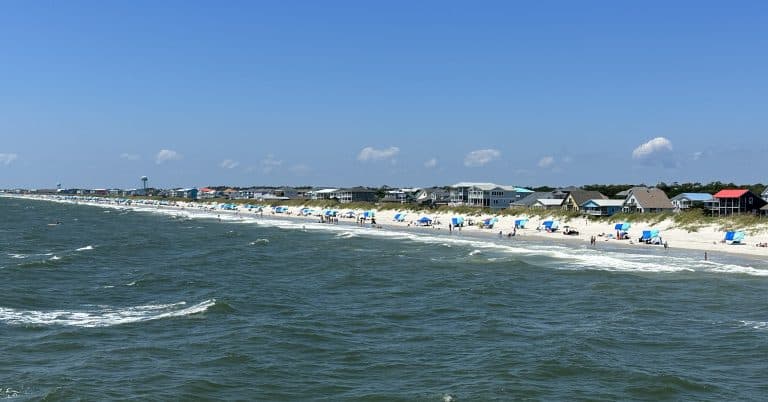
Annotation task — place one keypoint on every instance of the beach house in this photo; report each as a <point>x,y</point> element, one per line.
<point>487,195</point>
<point>765,194</point>
<point>685,201</point>
<point>322,194</point>
<point>531,198</point>
<point>576,197</point>
<point>736,201</point>
<point>400,196</point>
<point>647,200</point>
<point>356,194</point>
<point>602,207</point>
<point>433,196</point>
<point>190,193</point>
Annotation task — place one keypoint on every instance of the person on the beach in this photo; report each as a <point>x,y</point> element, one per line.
<point>450,228</point>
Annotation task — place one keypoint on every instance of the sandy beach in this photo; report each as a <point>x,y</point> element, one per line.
<point>707,239</point>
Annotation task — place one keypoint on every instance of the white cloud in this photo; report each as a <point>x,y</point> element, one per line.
<point>373,154</point>
<point>546,162</point>
<point>229,164</point>
<point>481,157</point>
<point>269,163</point>
<point>430,163</point>
<point>167,155</point>
<point>697,155</point>
<point>7,159</point>
<point>130,157</point>
<point>656,145</point>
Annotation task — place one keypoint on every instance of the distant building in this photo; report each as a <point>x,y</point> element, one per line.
<point>765,194</point>
<point>190,193</point>
<point>208,193</point>
<point>687,200</point>
<point>356,194</point>
<point>531,198</point>
<point>602,207</point>
<point>323,194</point>
<point>736,201</point>
<point>487,195</point>
<point>574,198</point>
<point>433,196</point>
<point>647,200</point>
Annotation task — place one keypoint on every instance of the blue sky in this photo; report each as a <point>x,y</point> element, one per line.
<point>97,94</point>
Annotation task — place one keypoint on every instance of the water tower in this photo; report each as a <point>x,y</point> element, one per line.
<point>144,181</point>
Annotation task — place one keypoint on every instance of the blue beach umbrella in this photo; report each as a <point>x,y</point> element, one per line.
<point>457,220</point>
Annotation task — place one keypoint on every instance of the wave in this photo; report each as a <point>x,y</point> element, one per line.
<point>105,317</point>
<point>259,241</point>
<point>555,256</point>
<point>18,256</point>
<point>755,324</point>
<point>89,247</point>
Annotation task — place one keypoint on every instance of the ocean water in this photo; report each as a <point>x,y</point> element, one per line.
<point>122,304</point>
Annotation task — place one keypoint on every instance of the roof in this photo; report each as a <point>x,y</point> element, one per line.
<point>550,202</point>
<point>490,186</point>
<point>764,208</point>
<point>731,193</point>
<point>581,196</point>
<point>693,197</point>
<point>603,202</point>
<point>531,198</point>
<point>326,191</point>
<point>651,198</point>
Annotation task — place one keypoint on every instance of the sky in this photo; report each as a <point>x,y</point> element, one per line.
<point>398,93</point>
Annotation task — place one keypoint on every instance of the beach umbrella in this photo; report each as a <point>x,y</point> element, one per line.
<point>425,220</point>
<point>622,226</point>
<point>457,220</point>
<point>520,223</point>
<point>369,214</point>
<point>399,217</point>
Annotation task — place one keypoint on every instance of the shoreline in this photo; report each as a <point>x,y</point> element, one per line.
<point>679,240</point>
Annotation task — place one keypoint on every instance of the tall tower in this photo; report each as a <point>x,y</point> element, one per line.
<point>144,181</point>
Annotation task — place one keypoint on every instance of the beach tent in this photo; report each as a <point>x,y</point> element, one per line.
<point>551,225</point>
<point>734,237</point>
<point>281,210</point>
<point>350,214</point>
<point>489,222</point>
<point>330,212</point>
<point>650,235</point>
<point>457,221</point>
<point>520,223</point>
<point>399,217</point>
<point>425,220</point>
<point>369,214</point>
<point>623,226</point>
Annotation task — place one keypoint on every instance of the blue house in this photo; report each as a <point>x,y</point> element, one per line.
<point>687,200</point>
<point>601,207</point>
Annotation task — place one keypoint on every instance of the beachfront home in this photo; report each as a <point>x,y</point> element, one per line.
<point>736,201</point>
<point>356,194</point>
<point>433,196</point>
<point>575,197</point>
<point>548,203</point>
<point>688,200</point>
<point>190,193</point>
<point>647,200</point>
<point>400,196</point>
<point>324,194</point>
<point>765,194</point>
<point>487,195</point>
<point>602,207</point>
<point>531,198</point>
<point>764,210</point>
<point>207,193</point>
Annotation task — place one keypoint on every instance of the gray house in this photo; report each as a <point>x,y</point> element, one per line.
<point>647,200</point>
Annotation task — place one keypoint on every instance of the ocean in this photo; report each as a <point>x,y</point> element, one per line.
<point>121,304</point>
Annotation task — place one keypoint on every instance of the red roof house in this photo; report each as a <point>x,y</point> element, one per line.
<point>737,201</point>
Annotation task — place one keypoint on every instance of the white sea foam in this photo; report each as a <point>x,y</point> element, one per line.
<point>259,241</point>
<point>55,258</point>
<point>475,252</point>
<point>131,283</point>
<point>85,248</point>
<point>8,393</point>
<point>104,317</point>
<point>346,235</point>
<point>18,256</point>
<point>755,324</point>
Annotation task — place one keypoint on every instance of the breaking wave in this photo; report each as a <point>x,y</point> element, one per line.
<point>105,317</point>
